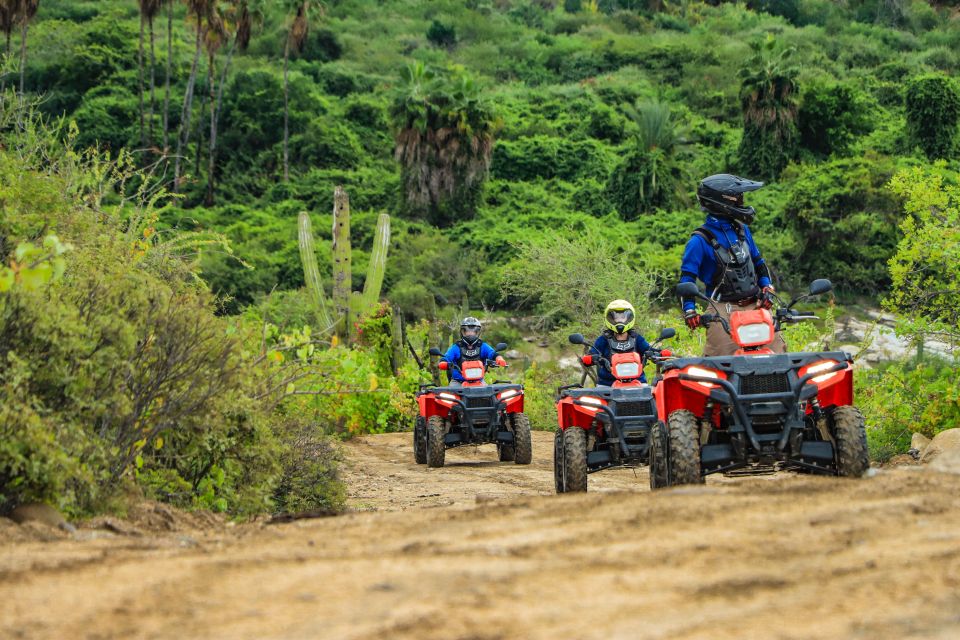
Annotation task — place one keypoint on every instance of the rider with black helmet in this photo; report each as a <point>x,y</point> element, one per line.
<point>469,347</point>
<point>723,254</point>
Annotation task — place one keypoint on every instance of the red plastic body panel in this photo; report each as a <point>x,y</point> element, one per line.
<point>571,415</point>
<point>673,394</point>
<point>430,406</point>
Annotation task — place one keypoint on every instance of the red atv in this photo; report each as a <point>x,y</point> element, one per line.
<point>472,413</point>
<point>604,427</point>
<point>756,411</point>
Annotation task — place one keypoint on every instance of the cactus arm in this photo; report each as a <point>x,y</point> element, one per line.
<point>378,264</point>
<point>311,271</point>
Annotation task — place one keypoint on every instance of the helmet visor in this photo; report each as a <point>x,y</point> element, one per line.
<point>620,316</point>
<point>470,331</point>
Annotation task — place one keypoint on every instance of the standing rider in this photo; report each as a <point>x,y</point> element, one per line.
<point>469,347</point>
<point>619,337</point>
<point>723,255</point>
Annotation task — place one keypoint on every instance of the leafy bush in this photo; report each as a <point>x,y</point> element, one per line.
<point>844,203</point>
<point>831,117</point>
<point>442,35</point>
<point>933,109</point>
<point>925,269</point>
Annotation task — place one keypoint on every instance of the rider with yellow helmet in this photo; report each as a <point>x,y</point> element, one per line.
<point>619,336</point>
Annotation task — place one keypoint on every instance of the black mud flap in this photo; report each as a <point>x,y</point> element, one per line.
<point>597,460</point>
<point>504,437</point>
<point>452,439</point>
<point>716,456</point>
<point>820,452</point>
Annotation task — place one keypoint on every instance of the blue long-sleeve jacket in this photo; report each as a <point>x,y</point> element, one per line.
<point>453,356</point>
<point>602,347</point>
<point>699,258</point>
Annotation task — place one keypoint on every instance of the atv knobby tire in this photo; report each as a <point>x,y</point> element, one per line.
<point>574,460</point>
<point>684,457</point>
<point>558,461</point>
<point>522,444</point>
<point>506,452</point>
<point>436,451</point>
<point>850,435</point>
<point>420,441</point>
<point>659,457</point>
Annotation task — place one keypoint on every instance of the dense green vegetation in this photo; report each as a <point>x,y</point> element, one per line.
<point>603,114</point>
<point>531,154</point>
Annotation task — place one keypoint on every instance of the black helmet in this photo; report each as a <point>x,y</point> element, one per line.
<point>722,196</point>
<point>470,329</point>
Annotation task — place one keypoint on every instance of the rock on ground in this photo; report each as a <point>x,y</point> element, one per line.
<point>948,440</point>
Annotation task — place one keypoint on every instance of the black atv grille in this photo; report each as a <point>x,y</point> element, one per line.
<point>479,403</point>
<point>774,383</point>
<point>640,408</point>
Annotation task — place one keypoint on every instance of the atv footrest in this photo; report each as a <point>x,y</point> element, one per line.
<point>505,437</point>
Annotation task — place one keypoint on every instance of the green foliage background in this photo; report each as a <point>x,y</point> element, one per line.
<point>604,113</point>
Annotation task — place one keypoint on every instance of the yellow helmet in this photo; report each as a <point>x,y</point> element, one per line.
<point>619,316</point>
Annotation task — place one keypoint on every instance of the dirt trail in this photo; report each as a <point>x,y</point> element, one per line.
<point>780,557</point>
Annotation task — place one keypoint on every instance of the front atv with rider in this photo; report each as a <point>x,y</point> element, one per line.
<point>471,413</point>
<point>605,426</point>
<point>757,411</point>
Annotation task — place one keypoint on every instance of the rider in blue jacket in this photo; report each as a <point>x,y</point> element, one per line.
<point>469,347</point>
<point>618,337</point>
<point>723,255</point>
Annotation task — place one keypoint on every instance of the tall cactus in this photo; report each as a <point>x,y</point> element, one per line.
<point>311,271</point>
<point>342,255</point>
<point>347,304</point>
<point>378,264</point>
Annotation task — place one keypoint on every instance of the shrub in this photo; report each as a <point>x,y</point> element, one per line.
<point>933,109</point>
<point>831,117</point>
<point>442,35</point>
<point>846,221</point>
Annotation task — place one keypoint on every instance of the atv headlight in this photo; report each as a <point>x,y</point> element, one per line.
<point>823,366</point>
<point>627,370</point>
<point>449,396</point>
<point>756,333</point>
<point>591,400</point>
<point>700,372</point>
<point>509,393</point>
<point>473,373</point>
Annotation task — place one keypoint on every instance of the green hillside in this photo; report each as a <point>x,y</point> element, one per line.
<point>579,92</point>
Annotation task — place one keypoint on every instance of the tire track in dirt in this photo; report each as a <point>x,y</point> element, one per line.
<point>779,557</point>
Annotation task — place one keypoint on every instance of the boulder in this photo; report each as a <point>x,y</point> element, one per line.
<point>512,354</point>
<point>41,513</point>
<point>919,442</point>
<point>947,462</point>
<point>943,442</point>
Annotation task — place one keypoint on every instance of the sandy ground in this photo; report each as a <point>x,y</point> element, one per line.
<point>481,550</point>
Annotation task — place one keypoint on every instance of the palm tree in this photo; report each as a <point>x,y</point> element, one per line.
<point>148,11</point>
<point>649,176</point>
<point>296,39</point>
<point>769,102</point>
<point>445,131</point>
<point>166,91</point>
<point>8,21</point>
<point>200,9</point>
<point>242,16</point>
<point>27,9</point>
